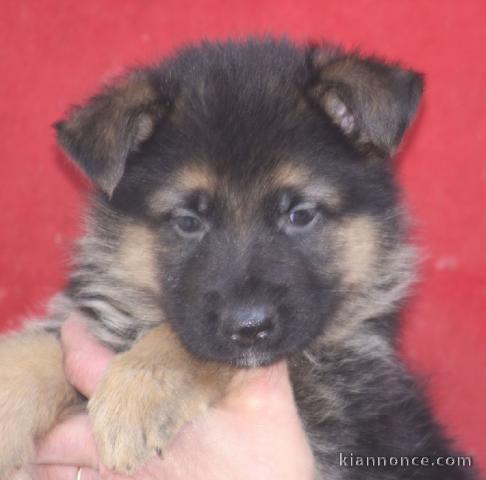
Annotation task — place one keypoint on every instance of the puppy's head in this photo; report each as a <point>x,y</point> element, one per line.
<point>257,175</point>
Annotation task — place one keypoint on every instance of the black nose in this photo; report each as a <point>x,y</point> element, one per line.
<point>248,325</point>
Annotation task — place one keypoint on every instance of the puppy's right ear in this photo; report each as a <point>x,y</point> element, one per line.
<point>100,135</point>
<point>371,101</point>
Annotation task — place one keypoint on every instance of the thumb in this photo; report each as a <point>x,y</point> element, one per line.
<point>256,388</point>
<point>85,360</point>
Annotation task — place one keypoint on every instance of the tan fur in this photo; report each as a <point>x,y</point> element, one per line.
<point>194,177</point>
<point>163,199</point>
<point>137,255</point>
<point>197,177</point>
<point>289,174</point>
<point>33,393</point>
<point>378,276</point>
<point>293,174</point>
<point>358,241</point>
<point>148,394</point>
<point>323,193</point>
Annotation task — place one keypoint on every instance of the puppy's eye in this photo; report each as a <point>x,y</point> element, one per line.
<point>301,218</point>
<point>188,224</point>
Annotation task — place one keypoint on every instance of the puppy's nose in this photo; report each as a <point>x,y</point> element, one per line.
<point>248,325</point>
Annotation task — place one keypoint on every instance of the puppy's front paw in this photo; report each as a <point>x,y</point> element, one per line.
<point>16,438</point>
<point>136,411</point>
<point>123,412</point>
<point>15,450</point>
<point>33,391</point>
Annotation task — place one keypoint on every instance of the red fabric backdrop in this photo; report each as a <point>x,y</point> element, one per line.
<point>54,53</point>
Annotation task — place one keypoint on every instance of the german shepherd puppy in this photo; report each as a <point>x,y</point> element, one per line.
<point>246,212</point>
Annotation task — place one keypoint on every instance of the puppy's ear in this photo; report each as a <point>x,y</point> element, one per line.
<point>370,101</point>
<point>100,135</point>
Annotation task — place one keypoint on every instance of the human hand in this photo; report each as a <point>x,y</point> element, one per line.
<point>255,432</point>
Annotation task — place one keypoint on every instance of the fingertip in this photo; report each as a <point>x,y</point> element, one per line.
<point>257,388</point>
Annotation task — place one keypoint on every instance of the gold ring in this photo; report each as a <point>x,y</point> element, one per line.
<point>78,476</point>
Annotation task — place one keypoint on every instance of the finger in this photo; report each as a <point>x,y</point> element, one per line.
<point>62,472</point>
<point>256,388</point>
<point>85,360</point>
<point>69,443</point>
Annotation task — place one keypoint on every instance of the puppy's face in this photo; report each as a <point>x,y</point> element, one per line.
<point>247,260</point>
<point>264,197</point>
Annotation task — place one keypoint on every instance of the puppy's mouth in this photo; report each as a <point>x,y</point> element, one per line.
<point>253,358</point>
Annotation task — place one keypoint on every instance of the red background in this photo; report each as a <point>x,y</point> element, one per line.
<point>54,53</point>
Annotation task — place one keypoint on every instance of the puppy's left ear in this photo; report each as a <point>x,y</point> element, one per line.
<point>372,102</point>
<point>100,135</point>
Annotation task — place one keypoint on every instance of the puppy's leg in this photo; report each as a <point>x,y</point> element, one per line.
<point>33,392</point>
<point>148,394</point>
